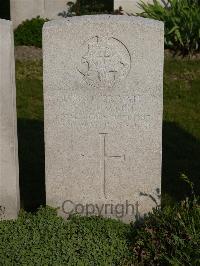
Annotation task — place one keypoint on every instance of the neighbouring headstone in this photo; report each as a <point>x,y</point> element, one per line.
<point>9,173</point>
<point>103,95</point>
<point>22,10</point>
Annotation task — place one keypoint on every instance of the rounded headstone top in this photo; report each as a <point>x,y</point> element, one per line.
<point>106,19</point>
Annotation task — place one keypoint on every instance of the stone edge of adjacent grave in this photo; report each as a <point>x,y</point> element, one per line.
<point>159,25</point>
<point>8,26</point>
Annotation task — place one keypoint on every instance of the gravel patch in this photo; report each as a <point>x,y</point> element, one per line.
<point>28,53</point>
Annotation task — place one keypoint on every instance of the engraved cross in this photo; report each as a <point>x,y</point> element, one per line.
<point>104,157</point>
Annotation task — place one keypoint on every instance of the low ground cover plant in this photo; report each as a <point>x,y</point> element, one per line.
<point>166,237</point>
<point>170,236</point>
<point>46,239</point>
<point>182,22</point>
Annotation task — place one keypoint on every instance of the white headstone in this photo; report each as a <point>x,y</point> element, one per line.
<point>9,173</point>
<point>103,79</point>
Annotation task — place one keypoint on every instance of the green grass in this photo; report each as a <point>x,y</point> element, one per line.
<point>181,130</point>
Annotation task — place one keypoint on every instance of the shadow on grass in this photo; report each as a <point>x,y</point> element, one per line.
<point>181,155</point>
<point>31,163</point>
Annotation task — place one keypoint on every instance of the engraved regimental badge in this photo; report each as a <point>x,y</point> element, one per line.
<point>106,62</point>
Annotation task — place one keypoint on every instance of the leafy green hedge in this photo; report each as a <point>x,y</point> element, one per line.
<point>182,23</point>
<point>167,237</point>
<point>30,32</point>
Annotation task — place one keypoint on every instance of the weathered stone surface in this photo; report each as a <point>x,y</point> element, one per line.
<point>103,78</point>
<point>9,176</point>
